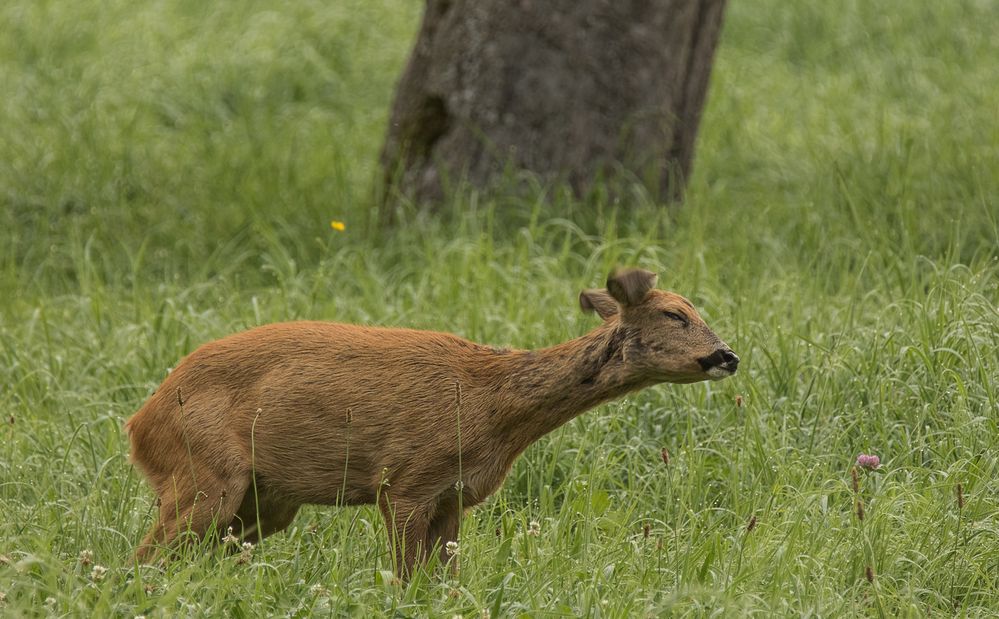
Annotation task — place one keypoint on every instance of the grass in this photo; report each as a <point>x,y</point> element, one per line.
<point>168,175</point>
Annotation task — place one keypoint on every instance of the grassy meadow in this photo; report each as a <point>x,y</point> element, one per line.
<point>168,175</point>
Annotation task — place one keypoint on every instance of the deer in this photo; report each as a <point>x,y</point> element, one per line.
<point>425,425</point>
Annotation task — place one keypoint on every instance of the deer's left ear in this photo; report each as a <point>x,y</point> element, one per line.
<point>629,286</point>
<point>598,301</point>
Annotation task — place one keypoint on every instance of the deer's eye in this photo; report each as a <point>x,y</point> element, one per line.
<point>675,316</point>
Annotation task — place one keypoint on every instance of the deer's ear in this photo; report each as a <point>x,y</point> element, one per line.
<point>598,301</point>
<point>629,286</point>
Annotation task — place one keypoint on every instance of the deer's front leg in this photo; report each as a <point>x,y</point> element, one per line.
<point>407,525</point>
<point>443,529</point>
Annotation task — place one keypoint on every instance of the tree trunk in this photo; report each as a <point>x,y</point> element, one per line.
<point>571,90</point>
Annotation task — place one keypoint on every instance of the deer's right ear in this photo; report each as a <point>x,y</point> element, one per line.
<point>629,286</point>
<point>598,301</point>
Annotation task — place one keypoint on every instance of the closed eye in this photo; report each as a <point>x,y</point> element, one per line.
<point>675,316</point>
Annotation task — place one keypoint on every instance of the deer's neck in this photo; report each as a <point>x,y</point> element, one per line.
<point>546,388</point>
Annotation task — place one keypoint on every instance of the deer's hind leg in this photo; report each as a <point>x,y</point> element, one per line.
<point>262,512</point>
<point>190,509</point>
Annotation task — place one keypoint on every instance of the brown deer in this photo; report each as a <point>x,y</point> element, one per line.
<point>250,427</point>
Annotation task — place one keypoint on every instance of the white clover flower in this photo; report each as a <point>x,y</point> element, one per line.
<point>246,554</point>
<point>452,548</point>
<point>86,557</point>
<point>229,537</point>
<point>319,591</point>
<point>98,573</point>
<point>534,528</point>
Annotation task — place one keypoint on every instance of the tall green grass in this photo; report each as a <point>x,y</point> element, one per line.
<point>168,174</point>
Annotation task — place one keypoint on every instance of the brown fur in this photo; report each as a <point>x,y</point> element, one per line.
<point>248,428</point>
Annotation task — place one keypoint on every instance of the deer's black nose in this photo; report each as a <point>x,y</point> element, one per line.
<point>722,358</point>
<point>729,359</point>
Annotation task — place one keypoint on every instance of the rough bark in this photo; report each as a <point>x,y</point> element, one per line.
<point>571,90</point>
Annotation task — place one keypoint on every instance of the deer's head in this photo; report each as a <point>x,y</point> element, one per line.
<point>660,336</point>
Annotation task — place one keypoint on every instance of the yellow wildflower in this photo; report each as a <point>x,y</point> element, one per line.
<point>339,226</point>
